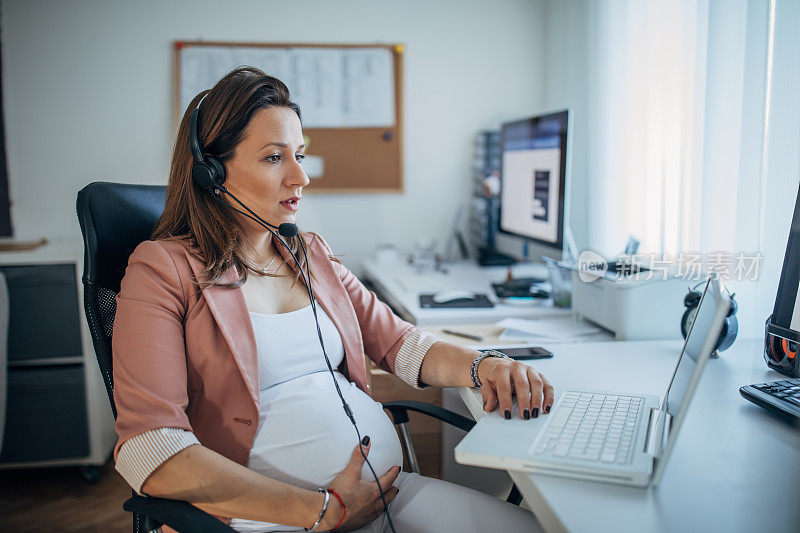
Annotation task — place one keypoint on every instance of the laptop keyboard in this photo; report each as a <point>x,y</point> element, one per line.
<point>592,427</point>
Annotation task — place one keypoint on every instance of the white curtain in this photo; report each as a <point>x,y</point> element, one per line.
<point>646,100</point>
<point>683,133</point>
<point>781,156</point>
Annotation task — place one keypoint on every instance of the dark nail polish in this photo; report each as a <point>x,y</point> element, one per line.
<point>526,414</point>
<point>365,440</point>
<point>547,409</point>
<point>535,412</point>
<point>508,414</point>
<point>484,403</point>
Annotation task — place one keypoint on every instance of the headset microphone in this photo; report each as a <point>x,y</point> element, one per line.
<point>288,230</point>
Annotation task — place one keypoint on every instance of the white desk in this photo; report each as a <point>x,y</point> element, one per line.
<point>400,285</point>
<point>735,466</point>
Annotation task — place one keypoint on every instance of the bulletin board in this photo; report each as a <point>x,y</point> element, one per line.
<point>350,97</point>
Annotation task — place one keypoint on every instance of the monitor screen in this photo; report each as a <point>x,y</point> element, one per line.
<point>787,309</point>
<point>533,178</point>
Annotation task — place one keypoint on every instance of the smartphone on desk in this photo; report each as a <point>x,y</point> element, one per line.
<point>529,352</point>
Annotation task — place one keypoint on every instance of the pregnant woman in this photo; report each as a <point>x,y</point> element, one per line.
<point>224,395</point>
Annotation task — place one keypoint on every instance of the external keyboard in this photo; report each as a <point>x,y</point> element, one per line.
<point>782,396</point>
<point>592,427</point>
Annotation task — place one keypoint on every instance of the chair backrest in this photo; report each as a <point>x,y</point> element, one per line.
<point>114,219</point>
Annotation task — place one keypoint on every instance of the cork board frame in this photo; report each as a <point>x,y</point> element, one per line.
<point>356,160</point>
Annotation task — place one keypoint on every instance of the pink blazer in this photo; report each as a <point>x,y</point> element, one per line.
<point>186,358</point>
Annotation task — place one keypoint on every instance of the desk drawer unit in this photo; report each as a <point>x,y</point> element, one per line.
<point>55,407</point>
<point>43,312</point>
<point>46,414</point>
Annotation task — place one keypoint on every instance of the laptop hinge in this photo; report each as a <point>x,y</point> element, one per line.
<point>657,431</point>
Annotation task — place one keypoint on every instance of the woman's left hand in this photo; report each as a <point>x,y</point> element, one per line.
<point>501,378</point>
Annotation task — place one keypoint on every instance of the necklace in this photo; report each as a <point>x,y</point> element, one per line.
<point>264,270</point>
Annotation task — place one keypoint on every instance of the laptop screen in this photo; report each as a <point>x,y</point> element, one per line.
<point>702,338</point>
<point>693,347</point>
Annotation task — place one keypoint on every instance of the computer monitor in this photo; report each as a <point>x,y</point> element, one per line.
<point>534,179</point>
<point>786,313</point>
<point>782,335</point>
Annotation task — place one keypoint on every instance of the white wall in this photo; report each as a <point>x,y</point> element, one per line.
<point>733,142</point>
<point>88,88</point>
<point>564,79</point>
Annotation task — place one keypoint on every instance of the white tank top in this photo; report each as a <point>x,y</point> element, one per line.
<point>304,436</point>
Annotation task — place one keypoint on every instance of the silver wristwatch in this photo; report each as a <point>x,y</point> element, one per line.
<point>473,371</point>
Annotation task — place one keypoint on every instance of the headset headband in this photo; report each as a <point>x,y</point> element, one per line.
<point>194,140</point>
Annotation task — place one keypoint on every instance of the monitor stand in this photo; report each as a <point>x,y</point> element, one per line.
<point>491,257</point>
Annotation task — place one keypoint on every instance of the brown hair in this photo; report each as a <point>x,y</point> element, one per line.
<point>213,229</point>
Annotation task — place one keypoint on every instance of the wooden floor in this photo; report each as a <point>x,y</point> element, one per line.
<point>60,499</point>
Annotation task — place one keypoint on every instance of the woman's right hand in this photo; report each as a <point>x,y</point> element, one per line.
<point>362,498</point>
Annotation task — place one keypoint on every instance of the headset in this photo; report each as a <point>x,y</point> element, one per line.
<point>781,347</point>
<point>729,329</point>
<point>209,174</point>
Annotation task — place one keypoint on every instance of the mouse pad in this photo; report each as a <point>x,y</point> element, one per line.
<point>480,300</point>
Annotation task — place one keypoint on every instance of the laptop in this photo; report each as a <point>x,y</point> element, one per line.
<point>611,437</point>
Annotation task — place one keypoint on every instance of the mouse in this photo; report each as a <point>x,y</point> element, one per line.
<point>447,297</point>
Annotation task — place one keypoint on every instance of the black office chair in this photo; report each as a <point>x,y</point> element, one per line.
<point>114,219</point>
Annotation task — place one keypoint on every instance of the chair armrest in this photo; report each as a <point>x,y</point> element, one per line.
<point>399,411</point>
<point>179,515</point>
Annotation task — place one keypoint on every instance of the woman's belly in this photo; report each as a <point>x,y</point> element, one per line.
<point>305,438</point>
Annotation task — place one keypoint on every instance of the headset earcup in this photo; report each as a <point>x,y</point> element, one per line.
<point>683,322</point>
<point>734,307</point>
<point>791,350</point>
<point>692,299</point>
<point>203,176</point>
<point>728,334</point>
<point>219,169</point>
<point>775,351</point>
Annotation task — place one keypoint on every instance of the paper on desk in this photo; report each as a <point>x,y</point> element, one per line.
<point>553,328</point>
<point>510,335</point>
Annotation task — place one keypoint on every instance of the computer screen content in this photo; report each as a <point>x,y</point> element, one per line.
<point>533,178</point>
